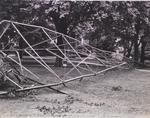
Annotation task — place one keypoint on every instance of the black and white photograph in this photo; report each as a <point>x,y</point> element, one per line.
<point>74,59</point>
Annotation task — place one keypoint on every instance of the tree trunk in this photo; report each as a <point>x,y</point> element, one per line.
<point>136,51</point>
<point>21,47</point>
<point>129,50</point>
<point>61,26</point>
<point>59,61</point>
<point>142,56</point>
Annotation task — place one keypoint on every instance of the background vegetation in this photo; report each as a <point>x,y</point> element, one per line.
<point>106,25</point>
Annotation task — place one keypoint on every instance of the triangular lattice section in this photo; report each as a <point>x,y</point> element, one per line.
<point>41,48</point>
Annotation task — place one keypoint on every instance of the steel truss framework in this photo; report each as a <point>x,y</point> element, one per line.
<point>82,60</point>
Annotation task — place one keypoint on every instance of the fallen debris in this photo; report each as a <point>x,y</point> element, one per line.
<point>81,61</point>
<point>117,88</point>
<point>54,110</point>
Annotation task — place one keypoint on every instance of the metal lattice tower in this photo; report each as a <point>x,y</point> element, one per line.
<point>80,60</point>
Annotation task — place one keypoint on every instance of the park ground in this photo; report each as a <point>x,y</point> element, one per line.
<point>119,93</point>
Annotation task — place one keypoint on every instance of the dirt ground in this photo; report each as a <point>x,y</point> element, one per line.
<point>115,94</point>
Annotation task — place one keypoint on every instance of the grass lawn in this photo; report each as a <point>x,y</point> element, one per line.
<point>117,93</point>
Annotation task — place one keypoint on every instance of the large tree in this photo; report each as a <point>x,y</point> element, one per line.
<point>126,20</point>
<point>66,16</point>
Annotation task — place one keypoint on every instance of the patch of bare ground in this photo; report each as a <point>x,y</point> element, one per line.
<point>115,94</point>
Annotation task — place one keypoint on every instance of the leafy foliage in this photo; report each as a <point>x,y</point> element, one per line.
<point>101,22</point>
